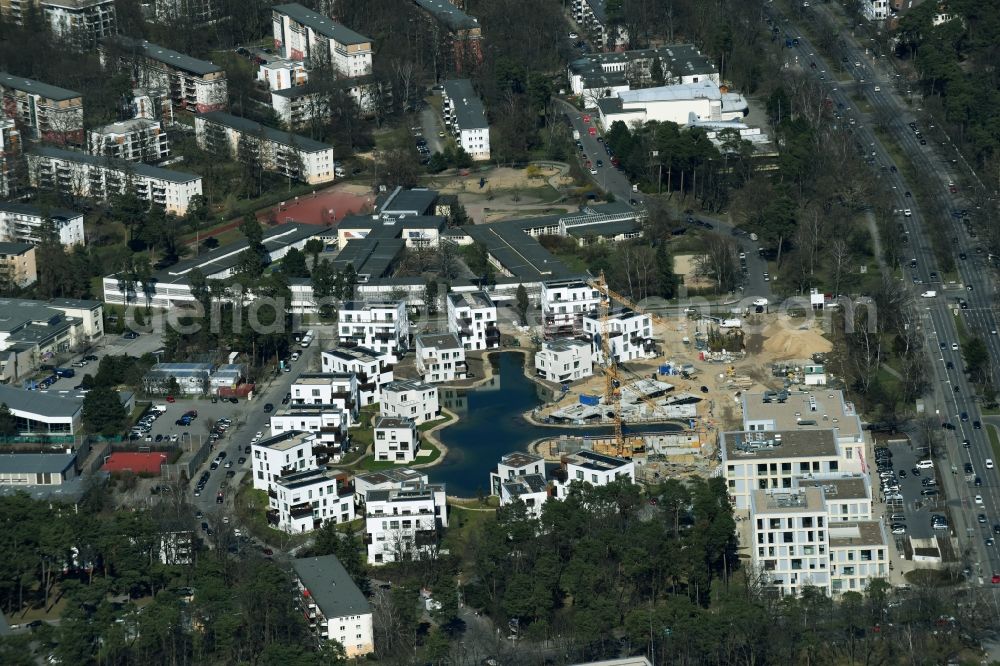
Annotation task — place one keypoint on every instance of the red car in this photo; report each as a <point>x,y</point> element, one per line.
<point>586,119</point>
<point>170,398</point>
<point>593,131</point>
<point>996,579</point>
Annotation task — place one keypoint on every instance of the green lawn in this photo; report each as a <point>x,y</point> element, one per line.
<point>371,465</point>
<point>424,427</point>
<point>994,440</point>
<point>463,525</point>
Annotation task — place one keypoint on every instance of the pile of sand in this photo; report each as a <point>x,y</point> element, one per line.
<point>503,178</point>
<point>786,339</point>
<point>686,265</point>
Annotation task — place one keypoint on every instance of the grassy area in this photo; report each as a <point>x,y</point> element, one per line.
<point>372,465</point>
<point>991,430</point>
<point>463,525</point>
<point>251,510</point>
<point>424,427</point>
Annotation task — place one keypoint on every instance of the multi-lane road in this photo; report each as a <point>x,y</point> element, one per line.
<point>953,395</point>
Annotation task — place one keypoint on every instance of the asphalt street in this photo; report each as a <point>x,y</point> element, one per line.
<point>953,395</point>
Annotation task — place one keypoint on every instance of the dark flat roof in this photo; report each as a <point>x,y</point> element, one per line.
<point>46,90</point>
<point>165,55</point>
<point>448,14</point>
<point>330,586</point>
<point>114,163</point>
<point>373,257</point>
<point>321,24</point>
<point>518,252</point>
<point>38,211</point>
<point>36,402</point>
<point>15,248</point>
<point>36,463</point>
<point>414,201</point>
<point>303,143</point>
<point>469,109</point>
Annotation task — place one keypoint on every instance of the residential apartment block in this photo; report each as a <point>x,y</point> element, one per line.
<point>440,357</point>
<point>521,476</point>
<point>195,85</point>
<point>306,500</point>
<point>10,153</point>
<point>17,264</point>
<point>195,11</point>
<point>859,553</point>
<point>299,104</point>
<point>328,423</point>
<point>372,369</point>
<point>629,335</point>
<point>564,304</point>
<point>564,360</point>
<point>333,605</point>
<point>404,523</point>
<point>101,178</point>
<point>335,389</point>
<point>411,399</point>
<point>459,35</point>
<point>472,316</point>
<point>808,411</point>
<point>465,116</point>
<point>135,140</point>
<point>80,21</point>
<point>280,455</point>
<point>302,34</point>
<point>396,440</point>
<point>43,111</point>
<point>386,479</point>
<point>381,326</point>
<point>596,469</point>
<point>291,155</point>
<point>27,223</point>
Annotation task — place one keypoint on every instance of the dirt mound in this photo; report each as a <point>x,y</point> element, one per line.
<point>786,339</point>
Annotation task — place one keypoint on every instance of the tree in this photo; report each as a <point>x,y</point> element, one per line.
<point>323,283</point>
<point>103,412</point>
<point>8,422</point>
<point>977,360</point>
<point>293,264</point>
<point>522,303</point>
<point>431,296</point>
<point>313,248</point>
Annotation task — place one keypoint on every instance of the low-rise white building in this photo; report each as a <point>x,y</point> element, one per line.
<point>629,335</point>
<point>135,140</point>
<point>513,465</point>
<point>334,606</point>
<point>306,500</point>
<point>564,304</point>
<point>26,223</point>
<point>465,116</point>
<point>385,479</point>
<point>531,489</point>
<point>396,440</point>
<point>472,316</point>
<point>291,155</point>
<point>859,554</point>
<point>683,104</point>
<point>281,454</point>
<point>381,326</point>
<point>404,523</point>
<point>333,389</point>
<point>329,423</point>
<point>564,360</point>
<point>594,468</point>
<point>440,357</point>
<point>410,399</point>
<point>373,369</point>
<point>37,469</point>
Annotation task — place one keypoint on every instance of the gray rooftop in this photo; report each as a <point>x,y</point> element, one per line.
<point>842,488</point>
<point>605,229</point>
<point>803,410</point>
<point>137,168</point>
<point>520,459</point>
<point>165,55</point>
<point>448,14</point>
<point>79,303</point>
<point>408,385</point>
<point>32,210</point>
<point>756,445</point>
<point>246,126</point>
<point>856,533</point>
<point>518,252</point>
<point>595,461</point>
<point>331,586</point>
<point>15,249</point>
<point>565,344</point>
<point>16,313</point>
<point>371,257</point>
<point>412,201</point>
<point>439,341</point>
<point>321,24</point>
<point>471,299</point>
<point>363,354</point>
<point>37,87</point>
<point>522,485</point>
<point>394,422</point>
<point>677,60</point>
<point>469,110</point>
<point>400,475</point>
<point>36,463</point>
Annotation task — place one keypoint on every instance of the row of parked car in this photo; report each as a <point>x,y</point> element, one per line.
<point>889,478</point>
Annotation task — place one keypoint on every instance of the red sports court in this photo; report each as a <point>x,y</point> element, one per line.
<point>137,463</point>
<point>326,208</point>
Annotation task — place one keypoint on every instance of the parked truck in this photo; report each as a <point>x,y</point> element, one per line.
<point>576,135</point>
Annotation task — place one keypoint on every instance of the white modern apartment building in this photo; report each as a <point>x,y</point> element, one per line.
<point>101,178</point>
<point>328,423</point>
<point>306,500</point>
<point>302,34</point>
<point>195,85</point>
<point>44,111</point>
<point>472,316</point>
<point>564,304</point>
<point>298,104</point>
<point>25,223</point>
<point>859,553</point>
<point>281,454</point>
<point>875,10</point>
<point>332,389</point>
<point>465,116</point>
<point>521,476</point>
<point>629,335</point>
<point>410,399</point>
<point>790,546</point>
<point>440,357</point>
<point>848,496</point>
<point>514,465</point>
<point>564,360</point>
<point>372,369</point>
<point>135,140</point>
<point>385,479</point>
<point>396,440</point>
<point>381,326</point>
<point>404,523</point>
<point>333,605</point>
<point>594,468</point>
<point>291,155</point>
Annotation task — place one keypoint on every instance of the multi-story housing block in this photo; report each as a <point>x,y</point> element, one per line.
<point>440,357</point>
<point>594,468</point>
<point>81,21</point>
<point>564,360</point>
<point>10,157</point>
<point>790,539</point>
<point>333,605</point>
<point>385,479</point>
<point>411,399</point>
<point>521,476</point>
<point>629,335</point>
<point>329,424</point>
<point>564,304</point>
<point>43,111</point>
<point>333,389</point>
<point>859,553</point>
<point>135,140</point>
<point>17,264</point>
<point>465,116</point>
<point>848,496</point>
<point>291,155</point>
<point>29,223</point>
<point>280,455</point>
<point>302,34</point>
<point>396,440</point>
<point>298,104</point>
<point>472,316</point>
<point>592,16</point>
<point>459,35</point>
<point>195,85</point>
<point>372,369</point>
<point>195,11</point>
<point>513,465</point>
<point>101,178</point>
<point>404,523</point>
<point>306,500</point>
<point>381,326</point>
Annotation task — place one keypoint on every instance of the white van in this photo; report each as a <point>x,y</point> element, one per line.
<point>989,463</point>
<point>925,464</point>
<point>930,293</point>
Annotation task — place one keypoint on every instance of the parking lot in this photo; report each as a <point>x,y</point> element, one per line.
<point>916,508</point>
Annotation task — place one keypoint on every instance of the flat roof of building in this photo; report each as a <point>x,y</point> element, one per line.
<point>12,249</point>
<point>126,126</point>
<point>366,306</point>
<point>165,55</point>
<point>137,168</point>
<point>803,410</point>
<point>471,299</point>
<point>407,385</point>
<point>448,14</point>
<point>407,201</point>
<point>330,586</point>
<point>564,344</point>
<point>321,24</point>
<point>356,354</point>
<point>75,303</point>
<point>250,127</point>
<point>523,485</point>
<point>46,90</point>
<point>393,422</point>
<point>439,341</point>
<point>788,501</point>
<point>520,254</point>
<point>518,459</point>
<point>32,210</point>
<point>856,533</point>
<point>39,403</point>
<point>36,463</point>
<point>398,475</point>
<point>468,107</point>
<point>308,477</point>
<point>706,89</point>
<point>372,257</point>
<point>604,229</point>
<point>750,445</point>
<point>595,461</point>
<point>847,487</point>
<point>285,441</point>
